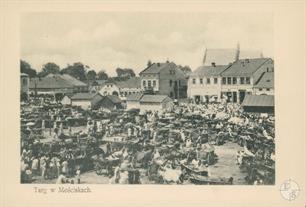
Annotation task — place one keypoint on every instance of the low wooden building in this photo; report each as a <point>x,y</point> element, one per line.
<point>111,102</point>
<point>86,100</point>
<point>132,101</point>
<point>155,103</point>
<point>258,103</point>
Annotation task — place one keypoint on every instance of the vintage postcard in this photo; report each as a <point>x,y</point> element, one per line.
<point>158,104</point>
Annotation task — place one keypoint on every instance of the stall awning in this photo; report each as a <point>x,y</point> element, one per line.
<point>258,100</point>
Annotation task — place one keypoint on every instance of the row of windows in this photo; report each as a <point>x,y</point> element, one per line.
<point>267,89</point>
<point>234,80</point>
<point>175,83</point>
<point>144,83</point>
<point>128,93</point>
<point>215,81</point>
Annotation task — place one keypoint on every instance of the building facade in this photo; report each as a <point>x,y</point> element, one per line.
<point>240,78</point>
<point>164,79</point>
<point>155,103</point>
<point>24,83</point>
<point>86,100</point>
<point>204,84</point>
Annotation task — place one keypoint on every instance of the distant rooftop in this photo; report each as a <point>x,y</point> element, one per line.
<point>266,81</point>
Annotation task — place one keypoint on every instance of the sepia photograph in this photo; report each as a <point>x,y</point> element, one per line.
<point>147,98</point>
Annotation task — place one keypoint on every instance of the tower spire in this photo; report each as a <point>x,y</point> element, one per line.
<point>204,58</point>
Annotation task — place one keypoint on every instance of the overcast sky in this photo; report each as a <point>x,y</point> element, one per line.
<point>128,40</point>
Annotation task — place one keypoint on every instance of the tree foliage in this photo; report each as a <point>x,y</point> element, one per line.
<point>186,69</point>
<point>91,75</point>
<point>77,70</point>
<point>125,72</point>
<point>102,75</point>
<point>27,69</point>
<point>49,68</point>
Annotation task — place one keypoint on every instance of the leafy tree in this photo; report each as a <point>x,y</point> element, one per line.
<point>26,68</point>
<point>186,69</point>
<point>102,75</point>
<point>77,70</point>
<point>49,68</point>
<point>91,75</point>
<point>125,72</point>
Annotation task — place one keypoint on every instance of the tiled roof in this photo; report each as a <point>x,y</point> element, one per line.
<point>134,97</point>
<point>266,81</point>
<point>83,96</point>
<point>208,71</point>
<point>153,98</point>
<point>50,83</point>
<point>244,67</point>
<point>155,68</point>
<point>56,81</point>
<point>258,100</point>
<point>114,99</point>
<point>220,56</point>
<point>130,83</point>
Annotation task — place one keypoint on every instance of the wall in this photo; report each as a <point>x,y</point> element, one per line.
<point>132,105</point>
<point>24,84</point>
<point>150,107</point>
<point>204,89</point>
<point>150,77</point>
<point>85,104</point>
<point>66,101</point>
<point>109,89</point>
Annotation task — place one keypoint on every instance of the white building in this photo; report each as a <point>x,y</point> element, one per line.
<point>133,101</point>
<point>155,103</point>
<point>86,100</point>
<point>204,84</point>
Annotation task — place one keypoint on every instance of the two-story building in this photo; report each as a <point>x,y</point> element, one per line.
<point>240,77</point>
<point>204,84</point>
<point>121,88</point>
<point>164,79</point>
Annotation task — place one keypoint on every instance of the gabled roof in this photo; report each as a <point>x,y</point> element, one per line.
<point>49,82</point>
<point>73,80</point>
<point>134,97</point>
<point>154,98</point>
<point>244,67</point>
<point>220,56</point>
<point>208,71</point>
<point>155,68</point>
<point>113,98</point>
<point>266,81</point>
<point>133,82</point>
<point>84,96</point>
<point>258,100</point>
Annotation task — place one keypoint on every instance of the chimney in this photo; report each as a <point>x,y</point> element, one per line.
<point>158,64</point>
<point>237,52</point>
<point>247,60</point>
<point>213,64</point>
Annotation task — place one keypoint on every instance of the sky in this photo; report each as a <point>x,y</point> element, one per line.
<point>108,40</point>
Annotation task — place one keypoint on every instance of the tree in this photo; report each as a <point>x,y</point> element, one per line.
<point>186,69</point>
<point>49,68</point>
<point>77,70</point>
<point>102,75</point>
<point>91,75</point>
<point>27,69</point>
<point>125,72</point>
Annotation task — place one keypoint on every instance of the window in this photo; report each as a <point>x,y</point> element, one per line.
<point>234,80</point>
<point>175,83</point>
<point>215,80</point>
<point>154,83</point>
<point>24,81</point>
<point>268,89</point>
<point>229,80</point>
<point>208,80</point>
<point>201,80</point>
<point>260,89</point>
<point>144,83</point>
<point>149,83</point>
<point>170,83</point>
<point>247,80</point>
<point>194,81</point>
<point>224,81</point>
<point>179,82</point>
<point>242,80</point>
<point>171,94</point>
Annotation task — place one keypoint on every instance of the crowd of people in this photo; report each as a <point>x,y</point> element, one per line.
<point>130,146</point>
